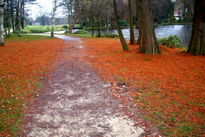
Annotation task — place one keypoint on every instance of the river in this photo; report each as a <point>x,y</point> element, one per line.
<point>182,31</point>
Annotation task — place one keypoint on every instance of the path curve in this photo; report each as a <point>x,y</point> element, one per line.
<point>75,103</point>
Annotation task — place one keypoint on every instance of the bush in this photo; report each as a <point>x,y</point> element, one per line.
<point>123,23</point>
<point>37,31</point>
<point>66,31</point>
<point>22,31</point>
<point>112,35</point>
<point>81,32</point>
<point>65,27</point>
<point>184,49</point>
<point>171,41</point>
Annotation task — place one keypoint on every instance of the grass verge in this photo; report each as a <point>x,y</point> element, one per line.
<point>22,65</point>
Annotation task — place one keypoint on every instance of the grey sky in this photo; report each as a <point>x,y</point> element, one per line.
<point>43,6</point>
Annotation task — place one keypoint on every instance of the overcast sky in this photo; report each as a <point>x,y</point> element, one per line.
<point>42,6</point>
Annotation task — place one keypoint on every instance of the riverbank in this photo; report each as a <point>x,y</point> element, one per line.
<point>168,87</point>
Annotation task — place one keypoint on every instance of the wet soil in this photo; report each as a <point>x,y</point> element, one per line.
<point>75,102</point>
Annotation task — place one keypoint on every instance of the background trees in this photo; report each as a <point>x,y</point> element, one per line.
<point>14,15</point>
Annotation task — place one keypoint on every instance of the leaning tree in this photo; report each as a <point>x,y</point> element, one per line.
<point>122,39</point>
<point>197,42</point>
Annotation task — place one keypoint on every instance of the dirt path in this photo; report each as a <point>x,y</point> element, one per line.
<point>75,102</point>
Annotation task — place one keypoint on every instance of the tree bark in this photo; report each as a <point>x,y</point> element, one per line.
<point>8,19</point>
<point>197,42</point>
<point>122,39</point>
<point>73,24</point>
<point>1,23</point>
<point>147,39</point>
<point>18,19</point>
<point>98,27</point>
<point>22,13</point>
<point>12,15</point>
<point>53,17</point>
<point>132,35</point>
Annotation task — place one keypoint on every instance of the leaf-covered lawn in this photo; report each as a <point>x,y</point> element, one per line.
<point>23,61</point>
<point>169,87</point>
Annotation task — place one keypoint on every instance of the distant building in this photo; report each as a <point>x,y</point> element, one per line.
<point>178,9</point>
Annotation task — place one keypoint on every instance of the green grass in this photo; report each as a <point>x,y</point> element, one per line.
<point>41,29</point>
<point>15,37</point>
<point>79,35</point>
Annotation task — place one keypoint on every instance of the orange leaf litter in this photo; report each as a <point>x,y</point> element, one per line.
<point>171,85</point>
<point>22,64</point>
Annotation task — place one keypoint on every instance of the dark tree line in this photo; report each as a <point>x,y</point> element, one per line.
<point>14,15</point>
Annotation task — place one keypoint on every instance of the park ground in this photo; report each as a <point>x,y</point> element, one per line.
<point>168,88</point>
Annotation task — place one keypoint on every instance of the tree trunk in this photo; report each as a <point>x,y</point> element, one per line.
<point>5,27</point>
<point>98,28</point>
<point>197,43</point>
<point>132,35</point>
<point>122,39</point>
<point>147,39</point>
<point>53,17</point>
<point>12,15</point>
<point>22,14</point>
<point>18,19</point>
<point>52,28</point>
<point>1,23</point>
<point>107,26</point>
<point>72,25</point>
<point>9,18</point>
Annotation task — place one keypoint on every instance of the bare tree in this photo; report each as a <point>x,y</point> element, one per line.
<point>79,6</point>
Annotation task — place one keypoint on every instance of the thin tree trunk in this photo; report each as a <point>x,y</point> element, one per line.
<point>12,16</point>
<point>98,28</point>
<point>197,43</point>
<point>122,39</point>
<point>53,18</point>
<point>5,27</point>
<point>147,39</point>
<point>18,19</point>
<point>106,24</point>
<point>1,23</point>
<point>9,18</point>
<point>132,35</point>
<point>73,24</point>
<point>22,14</point>
<point>52,28</point>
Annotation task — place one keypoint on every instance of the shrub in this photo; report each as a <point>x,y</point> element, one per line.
<point>112,35</point>
<point>22,31</point>
<point>37,31</point>
<point>66,31</point>
<point>81,32</point>
<point>65,27</point>
<point>184,49</point>
<point>123,23</point>
<point>171,41</point>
